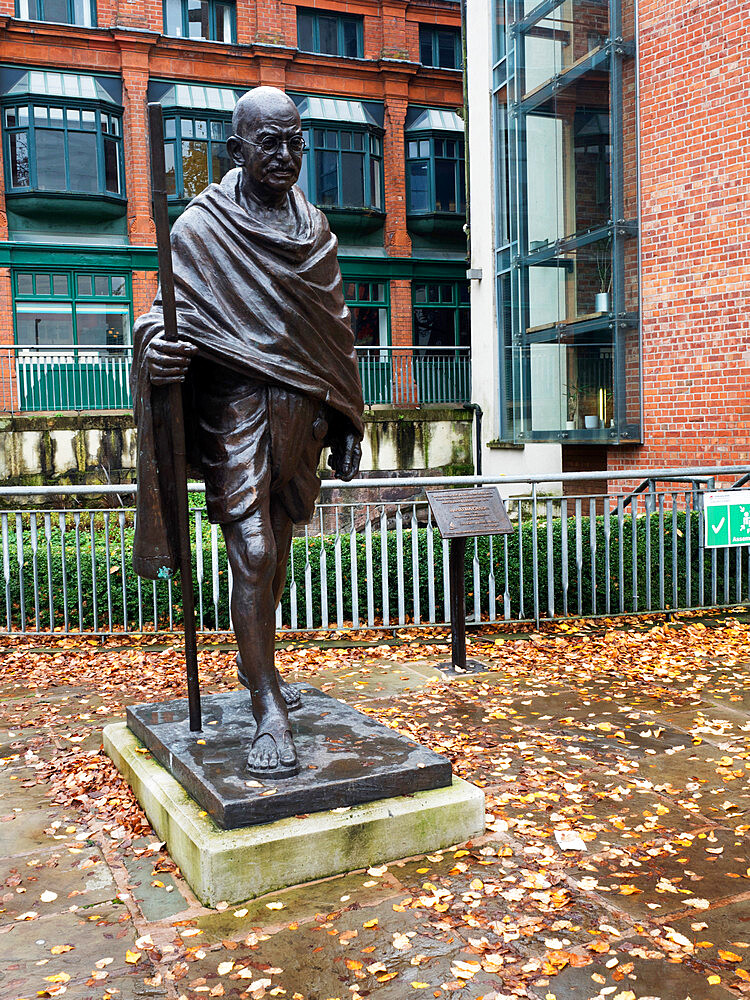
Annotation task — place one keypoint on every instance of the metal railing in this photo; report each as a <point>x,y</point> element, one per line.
<point>414,376</point>
<point>44,379</point>
<point>377,562</point>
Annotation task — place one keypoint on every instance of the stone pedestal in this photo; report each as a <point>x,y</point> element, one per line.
<point>346,758</point>
<point>237,864</point>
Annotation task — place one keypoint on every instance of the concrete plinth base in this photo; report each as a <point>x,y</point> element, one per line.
<point>233,865</point>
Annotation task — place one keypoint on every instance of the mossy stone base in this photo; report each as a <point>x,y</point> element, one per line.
<point>234,865</point>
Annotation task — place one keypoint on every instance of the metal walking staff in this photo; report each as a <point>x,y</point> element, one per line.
<point>179,460</point>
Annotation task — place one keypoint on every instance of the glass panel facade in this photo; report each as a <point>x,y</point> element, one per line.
<point>566,204</point>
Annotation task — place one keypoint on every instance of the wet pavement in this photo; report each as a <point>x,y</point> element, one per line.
<point>649,772</point>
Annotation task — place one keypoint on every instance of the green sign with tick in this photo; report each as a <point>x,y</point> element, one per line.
<point>727,518</point>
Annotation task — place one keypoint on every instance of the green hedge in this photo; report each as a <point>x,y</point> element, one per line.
<point>586,590</point>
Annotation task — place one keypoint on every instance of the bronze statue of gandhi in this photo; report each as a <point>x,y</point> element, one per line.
<point>269,372</point>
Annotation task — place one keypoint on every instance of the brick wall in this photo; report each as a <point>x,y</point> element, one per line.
<point>266,34</point>
<point>695,237</point>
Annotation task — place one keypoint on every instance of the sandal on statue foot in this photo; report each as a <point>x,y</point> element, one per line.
<point>284,768</point>
<point>290,693</point>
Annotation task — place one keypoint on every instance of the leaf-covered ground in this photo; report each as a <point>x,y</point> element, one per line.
<point>615,759</point>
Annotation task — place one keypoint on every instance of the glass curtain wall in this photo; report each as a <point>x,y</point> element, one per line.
<point>566,195</point>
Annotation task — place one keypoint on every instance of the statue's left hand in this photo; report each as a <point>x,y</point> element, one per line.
<point>346,454</point>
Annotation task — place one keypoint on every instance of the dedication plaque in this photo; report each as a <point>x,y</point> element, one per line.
<point>462,514</point>
<point>467,513</point>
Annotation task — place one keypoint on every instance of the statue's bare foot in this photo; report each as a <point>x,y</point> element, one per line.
<point>289,692</point>
<point>273,754</point>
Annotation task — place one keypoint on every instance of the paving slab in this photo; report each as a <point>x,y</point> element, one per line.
<point>156,902</point>
<point>400,948</point>
<point>638,970</point>
<point>81,878</point>
<point>608,812</point>
<point>703,866</point>
<point>721,928</point>
<point>93,933</point>
<point>300,904</point>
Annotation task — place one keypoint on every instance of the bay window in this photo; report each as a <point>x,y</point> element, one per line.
<point>63,148</point>
<point>195,153</point>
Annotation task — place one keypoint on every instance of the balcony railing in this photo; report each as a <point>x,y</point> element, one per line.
<point>412,376</point>
<point>44,379</point>
<point>56,379</point>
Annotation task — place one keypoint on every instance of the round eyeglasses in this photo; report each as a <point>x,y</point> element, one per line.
<point>272,144</point>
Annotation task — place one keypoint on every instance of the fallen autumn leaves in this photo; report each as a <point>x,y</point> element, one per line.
<point>615,761</point>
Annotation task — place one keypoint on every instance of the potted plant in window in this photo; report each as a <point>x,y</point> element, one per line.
<point>604,271</point>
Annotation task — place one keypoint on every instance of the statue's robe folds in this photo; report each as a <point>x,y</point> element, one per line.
<point>258,301</point>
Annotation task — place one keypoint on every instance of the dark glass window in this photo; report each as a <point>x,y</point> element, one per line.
<point>343,169</point>
<point>329,34</point>
<point>63,149</point>
<point>440,47</point>
<point>195,153</point>
<point>57,310</point>
<point>210,20</point>
<point>81,12</point>
<point>440,313</point>
<point>435,172</point>
<point>368,304</point>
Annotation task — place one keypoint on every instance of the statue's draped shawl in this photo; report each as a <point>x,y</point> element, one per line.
<point>256,300</point>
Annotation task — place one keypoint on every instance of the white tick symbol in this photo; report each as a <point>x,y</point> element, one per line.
<point>716,528</point>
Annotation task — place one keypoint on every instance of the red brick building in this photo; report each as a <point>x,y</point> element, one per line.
<point>379,89</point>
<point>609,230</point>
<point>694,137</point>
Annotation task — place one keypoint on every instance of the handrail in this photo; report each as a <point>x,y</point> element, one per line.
<point>412,347</point>
<point>411,481</point>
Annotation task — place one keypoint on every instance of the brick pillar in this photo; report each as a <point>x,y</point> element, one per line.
<point>270,23</point>
<point>246,22</point>
<point>404,385</point>
<point>397,241</point>
<point>395,44</point>
<point>7,357</point>
<point>141,228</point>
<point>144,291</point>
<point>8,401</point>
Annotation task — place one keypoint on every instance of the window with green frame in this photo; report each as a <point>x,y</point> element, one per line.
<point>440,315</point>
<point>211,20</point>
<point>368,304</point>
<point>80,12</point>
<point>72,308</point>
<point>440,47</point>
<point>343,168</point>
<point>329,34</point>
<point>195,152</point>
<point>436,174</point>
<point>63,147</point>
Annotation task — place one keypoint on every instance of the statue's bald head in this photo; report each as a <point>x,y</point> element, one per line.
<point>261,105</point>
<point>267,143</point>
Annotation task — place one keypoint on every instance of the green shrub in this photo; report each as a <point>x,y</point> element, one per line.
<point>65,573</point>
